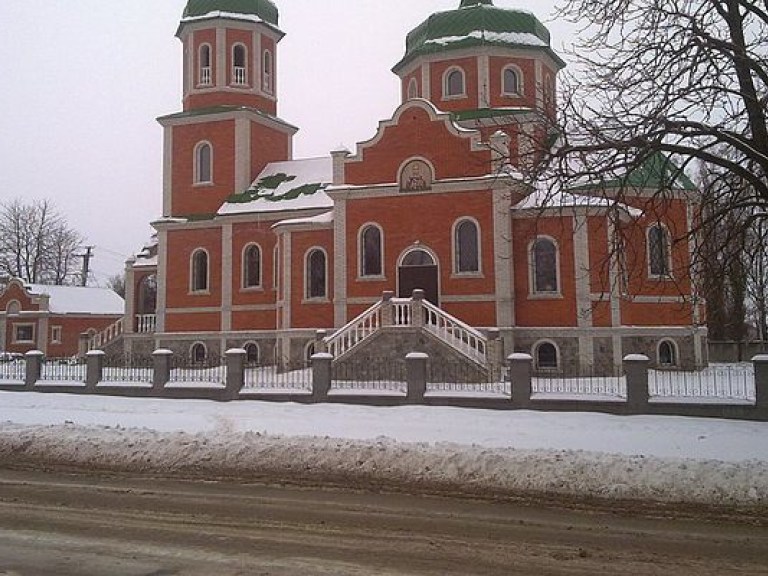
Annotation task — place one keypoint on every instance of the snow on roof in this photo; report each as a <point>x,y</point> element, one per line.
<point>228,15</point>
<point>545,198</point>
<point>517,38</point>
<point>324,218</point>
<point>281,186</point>
<point>79,300</point>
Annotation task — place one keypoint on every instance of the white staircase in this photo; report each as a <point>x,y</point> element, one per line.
<point>410,313</point>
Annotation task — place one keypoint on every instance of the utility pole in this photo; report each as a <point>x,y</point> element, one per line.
<point>86,264</point>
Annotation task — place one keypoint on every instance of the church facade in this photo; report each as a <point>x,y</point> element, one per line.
<point>260,250</point>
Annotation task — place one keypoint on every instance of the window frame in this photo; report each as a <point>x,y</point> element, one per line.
<point>675,353</point>
<point>520,88</point>
<point>245,268</point>
<point>412,90</point>
<point>268,72</point>
<point>533,291</point>
<point>308,295</point>
<point>193,359</point>
<point>198,162</point>
<point>193,276</point>
<point>447,94</point>
<point>666,256</point>
<point>57,333</point>
<point>362,273</point>
<point>457,271</point>
<point>19,325</point>
<point>201,74</point>
<point>252,344</point>
<point>535,351</point>
<point>234,80</point>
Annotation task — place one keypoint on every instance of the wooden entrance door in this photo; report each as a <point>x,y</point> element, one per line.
<point>419,271</point>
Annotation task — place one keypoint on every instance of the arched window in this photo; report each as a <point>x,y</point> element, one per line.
<point>239,58</point>
<point>309,351</point>
<point>667,354</point>
<point>418,257</point>
<point>454,83</point>
<point>544,262</point>
<point>199,276</point>
<point>203,163</point>
<point>204,72</point>
<point>252,266</point>
<point>658,251</point>
<point>252,353</point>
<point>413,89</point>
<point>316,274</point>
<point>370,251</point>
<point>13,308</point>
<point>546,356</point>
<point>268,72</point>
<point>147,303</point>
<point>198,353</point>
<point>466,247</point>
<point>512,82</point>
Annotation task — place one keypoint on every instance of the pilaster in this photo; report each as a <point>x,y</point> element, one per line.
<point>503,260</point>
<point>583,288</point>
<point>339,262</point>
<point>227,277</point>
<point>242,154</point>
<point>162,274</point>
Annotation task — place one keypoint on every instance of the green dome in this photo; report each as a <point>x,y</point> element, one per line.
<point>476,23</point>
<point>263,9</point>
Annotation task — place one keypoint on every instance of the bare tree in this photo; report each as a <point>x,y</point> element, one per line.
<point>37,244</point>
<point>116,283</point>
<point>688,78</point>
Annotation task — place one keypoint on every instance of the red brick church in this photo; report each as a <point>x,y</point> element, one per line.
<point>258,249</point>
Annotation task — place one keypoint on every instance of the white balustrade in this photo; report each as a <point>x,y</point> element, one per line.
<point>146,323</point>
<point>355,332</point>
<point>106,336</point>
<point>205,76</point>
<point>238,75</point>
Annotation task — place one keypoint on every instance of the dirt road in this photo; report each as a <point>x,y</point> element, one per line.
<point>56,524</point>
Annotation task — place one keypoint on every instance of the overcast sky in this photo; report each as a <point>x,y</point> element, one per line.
<point>84,80</point>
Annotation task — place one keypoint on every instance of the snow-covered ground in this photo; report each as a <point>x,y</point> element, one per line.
<point>645,457</point>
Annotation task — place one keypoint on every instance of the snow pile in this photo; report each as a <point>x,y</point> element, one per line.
<point>667,459</point>
<point>386,463</point>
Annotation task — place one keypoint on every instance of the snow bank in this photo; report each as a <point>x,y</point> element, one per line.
<point>386,463</point>
<point>667,459</point>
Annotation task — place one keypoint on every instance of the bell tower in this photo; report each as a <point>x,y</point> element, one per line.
<point>230,54</point>
<point>228,129</point>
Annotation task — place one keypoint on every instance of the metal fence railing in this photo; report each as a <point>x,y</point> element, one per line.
<point>373,376</point>
<point>63,370</point>
<point>273,378</point>
<point>466,378</point>
<point>13,371</point>
<point>186,371</point>
<point>578,385</point>
<point>718,381</point>
<point>128,369</point>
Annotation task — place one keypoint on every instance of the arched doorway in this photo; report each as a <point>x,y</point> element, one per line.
<point>418,270</point>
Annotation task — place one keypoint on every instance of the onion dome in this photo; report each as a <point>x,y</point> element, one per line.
<point>251,10</point>
<point>476,23</point>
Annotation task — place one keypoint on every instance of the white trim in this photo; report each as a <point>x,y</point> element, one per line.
<point>360,252</point>
<point>258,351</point>
<point>198,79</point>
<point>243,156</point>
<point>56,334</point>
<point>192,348</point>
<point>455,248</point>
<point>16,312</point>
<point>411,94</point>
<point>413,248</point>
<point>221,57</point>
<point>167,170</point>
<point>483,81</point>
<point>14,332</point>
<point>402,167</point>
<point>426,81</point>
<point>268,87</point>
<point>340,272</point>
<point>233,68</point>
<point>446,77</point>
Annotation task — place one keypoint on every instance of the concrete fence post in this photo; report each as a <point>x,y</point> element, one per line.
<point>521,378</point>
<point>416,376</point>
<point>636,372</point>
<point>162,369</point>
<point>760,362</point>
<point>321,376</point>
<point>417,308</point>
<point>94,366</point>
<point>235,360</point>
<point>34,368</point>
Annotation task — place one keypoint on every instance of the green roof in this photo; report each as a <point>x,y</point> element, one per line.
<point>476,23</point>
<point>657,172</point>
<point>263,9</point>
